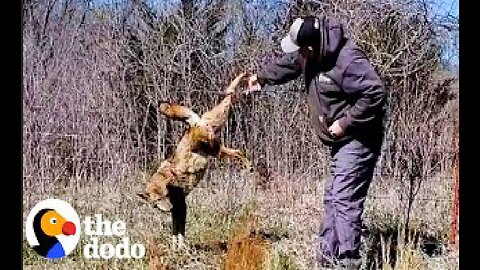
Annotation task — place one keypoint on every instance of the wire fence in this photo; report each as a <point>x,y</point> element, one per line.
<point>76,158</point>
<point>88,156</point>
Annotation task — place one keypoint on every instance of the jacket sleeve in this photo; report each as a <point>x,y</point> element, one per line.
<point>361,80</point>
<point>283,70</point>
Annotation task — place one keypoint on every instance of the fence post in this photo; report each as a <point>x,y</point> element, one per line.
<point>454,229</point>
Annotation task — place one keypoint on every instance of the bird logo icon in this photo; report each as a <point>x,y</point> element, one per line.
<point>53,228</point>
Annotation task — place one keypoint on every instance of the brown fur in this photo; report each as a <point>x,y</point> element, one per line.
<point>187,166</point>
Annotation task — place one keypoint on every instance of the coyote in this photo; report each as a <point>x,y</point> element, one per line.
<point>180,173</point>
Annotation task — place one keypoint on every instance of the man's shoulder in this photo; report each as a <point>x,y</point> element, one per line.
<point>349,53</point>
<point>354,59</point>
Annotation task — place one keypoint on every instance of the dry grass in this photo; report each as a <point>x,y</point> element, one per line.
<point>246,251</point>
<point>407,255</point>
<point>93,77</point>
<point>155,256</point>
<point>249,229</point>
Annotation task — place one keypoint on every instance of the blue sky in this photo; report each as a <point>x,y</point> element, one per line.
<point>451,8</point>
<point>448,6</point>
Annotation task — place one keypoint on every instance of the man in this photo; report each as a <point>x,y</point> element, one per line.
<point>346,101</point>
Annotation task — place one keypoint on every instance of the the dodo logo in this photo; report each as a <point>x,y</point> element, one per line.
<point>53,228</point>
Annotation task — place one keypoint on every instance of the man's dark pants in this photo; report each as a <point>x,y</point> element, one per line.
<point>352,166</point>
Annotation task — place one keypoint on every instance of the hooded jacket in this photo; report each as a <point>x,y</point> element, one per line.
<point>341,84</point>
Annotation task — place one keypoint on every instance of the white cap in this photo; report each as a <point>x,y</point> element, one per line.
<point>289,43</point>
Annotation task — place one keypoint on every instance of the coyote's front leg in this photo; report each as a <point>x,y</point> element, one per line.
<point>230,153</point>
<point>218,115</point>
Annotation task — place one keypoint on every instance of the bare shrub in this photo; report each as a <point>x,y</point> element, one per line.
<point>93,74</point>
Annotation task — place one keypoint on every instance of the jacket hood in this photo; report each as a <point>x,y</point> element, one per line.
<point>332,39</point>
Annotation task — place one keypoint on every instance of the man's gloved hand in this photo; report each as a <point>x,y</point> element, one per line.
<point>336,130</point>
<point>252,84</point>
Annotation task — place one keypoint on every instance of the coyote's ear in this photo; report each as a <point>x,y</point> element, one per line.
<point>164,101</point>
<point>163,205</point>
<point>163,107</point>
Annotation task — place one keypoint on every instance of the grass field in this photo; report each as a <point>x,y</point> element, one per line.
<point>234,224</point>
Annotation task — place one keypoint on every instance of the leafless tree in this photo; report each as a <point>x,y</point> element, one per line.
<point>93,74</point>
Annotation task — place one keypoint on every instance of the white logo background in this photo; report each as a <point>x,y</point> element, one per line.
<point>64,209</point>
